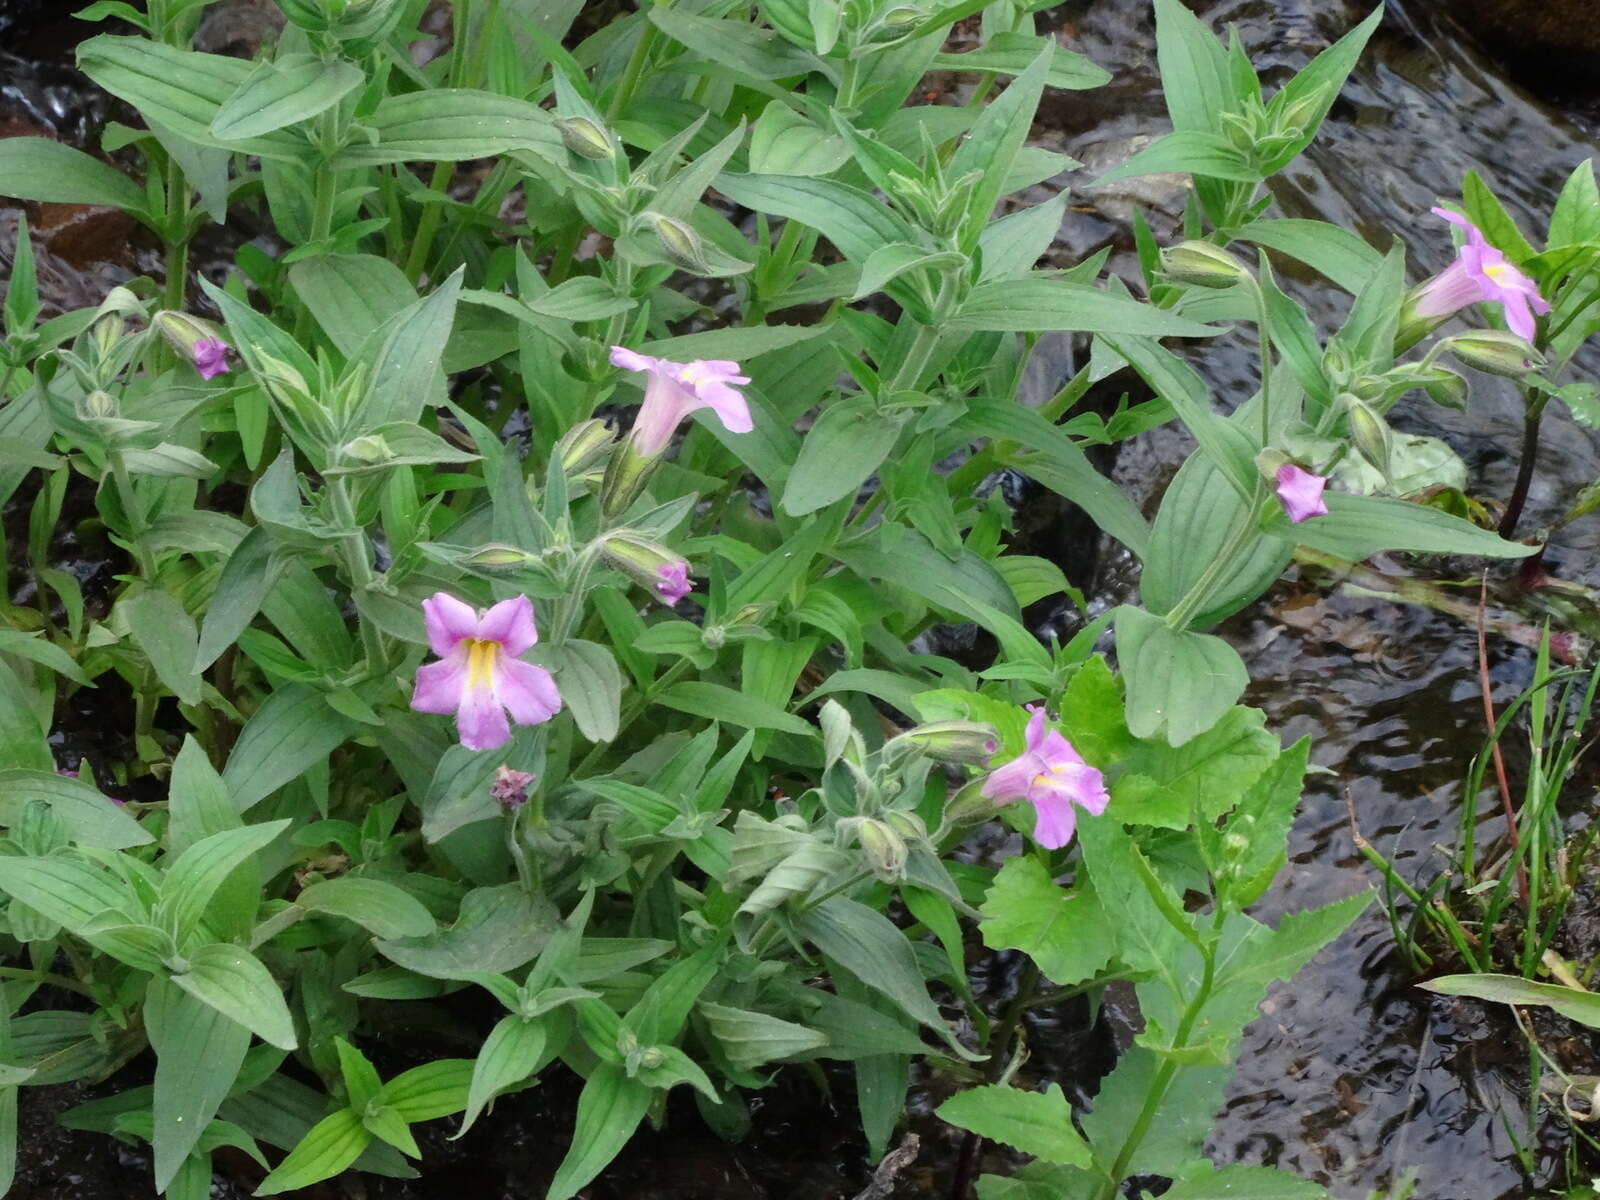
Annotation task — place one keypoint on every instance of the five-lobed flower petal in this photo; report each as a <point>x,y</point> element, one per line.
<point>1050,775</point>
<point>674,390</point>
<point>1480,274</point>
<point>211,357</point>
<point>1301,492</point>
<point>480,676</point>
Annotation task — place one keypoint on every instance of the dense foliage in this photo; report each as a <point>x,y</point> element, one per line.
<point>457,663</point>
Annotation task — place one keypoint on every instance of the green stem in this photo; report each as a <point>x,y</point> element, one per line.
<point>322,209</point>
<point>47,979</point>
<point>915,361</point>
<point>1184,611</point>
<point>1168,1068</point>
<point>631,711</point>
<point>177,237</point>
<point>134,511</point>
<point>428,223</point>
<point>358,565</point>
<point>631,74</point>
<point>1265,339</point>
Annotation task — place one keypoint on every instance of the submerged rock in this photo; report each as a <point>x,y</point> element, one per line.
<point>1554,43</point>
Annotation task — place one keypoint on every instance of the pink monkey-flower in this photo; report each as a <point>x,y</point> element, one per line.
<point>1480,274</point>
<point>674,390</point>
<point>479,676</point>
<point>1301,492</point>
<point>1051,776</point>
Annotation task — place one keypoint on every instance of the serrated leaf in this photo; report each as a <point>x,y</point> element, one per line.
<point>1067,934</point>
<point>1036,1123</point>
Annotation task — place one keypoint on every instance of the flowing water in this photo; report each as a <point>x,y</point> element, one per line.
<point>1351,1077</point>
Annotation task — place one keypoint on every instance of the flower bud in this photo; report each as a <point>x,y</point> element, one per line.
<point>1446,388</point>
<point>510,788</point>
<point>1297,117</point>
<point>973,742</point>
<point>969,806</point>
<point>98,405</point>
<point>369,448</point>
<point>1336,365</point>
<point>107,332</point>
<point>496,557</point>
<point>584,138</point>
<point>648,564</point>
<point>885,850</point>
<point>1270,461</point>
<point>1371,435</point>
<point>583,446</point>
<point>681,243</point>
<point>197,340</point>
<point>907,824</point>
<point>839,735</point>
<point>1496,352</point>
<point>1202,265</point>
<point>627,471</point>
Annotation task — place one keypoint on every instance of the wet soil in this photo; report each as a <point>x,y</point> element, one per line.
<point>1351,1077</point>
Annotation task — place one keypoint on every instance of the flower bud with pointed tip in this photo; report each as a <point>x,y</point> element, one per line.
<point>98,405</point>
<point>1446,388</point>
<point>681,243</point>
<point>583,446</point>
<point>885,850</point>
<point>368,448</point>
<point>1202,265</point>
<point>647,563</point>
<point>971,742</point>
<point>1496,352</point>
<point>496,557</point>
<point>197,340</point>
<point>584,138</point>
<point>1371,434</point>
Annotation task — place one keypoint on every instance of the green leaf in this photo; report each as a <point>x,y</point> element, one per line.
<point>332,1145</point>
<point>716,702</point>
<point>452,125</point>
<point>1036,1123</point>
<point>232,980</point>
<point>181,90</point>
<point>848,442</point>
<point>386,1124</point>
<point>1194,69</point>
<point>1574,220</point>
<point>403,357</point>
<point>45,170</point>
<point>1033,304</point>
<point>497,930</point>
<point>969,586</point>
<point>783,142</point>
<point>167,635</point>
<point>1067,934</point>
<point>1336,252</point>
<point>1013,53</point>
<point>1193,151</point>
<point>1058,464</point>
<point>22,740</point>
<point>867,944</point>
<point>287,91</point>
<point>380,908</point>
<point>1323,78</point>
<point>247,577</point>
<point>590,683</point>
<point>198,1055</point>
<point>609,1110</point>
<point>361,1081</point>
<point>1011,246</point>
<point>854,221</point>
<point>91,819</point>
<point>1498,226</point>
<point>290,732</point>
<point>192,879</point>
<point>433,1090</point>
<point>752,1038</point>
<point>1359,526</point>
<point>1180,683</point>
<point>1582,1007</point>
<point>1174,787</point>
<point>994,141</point>
<point>758,53</point>
<point>351,295</point>
<point>512,1052</point>
<point>68,891</point>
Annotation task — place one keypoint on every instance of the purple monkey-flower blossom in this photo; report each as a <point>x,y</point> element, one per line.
<point>1480,274</point>
<point>673,584</point>
<point>1051,776</point>
<point>211,357</point>
<point>1301,492</point>
<point>674,390</point>
<point>479,675</point>
<point>509,788</point>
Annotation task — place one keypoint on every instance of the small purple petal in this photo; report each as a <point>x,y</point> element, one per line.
<point>510,788</point>
<point>511,624</point>
<point>1055,822</point>
<point>527,691</point>
<point>674,581</point>
<point>1011,781</point>
<point>440,685</point>
<point>211,357</point>
<point>448,621</point>
<point>632,360</point>
<point>480,720</point>
<point>1301,493</point>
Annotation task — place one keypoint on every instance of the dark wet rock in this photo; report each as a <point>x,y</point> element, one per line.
<point>1553,44</point>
